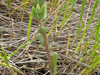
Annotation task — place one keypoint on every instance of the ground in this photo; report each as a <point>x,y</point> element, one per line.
<point>33,61</point>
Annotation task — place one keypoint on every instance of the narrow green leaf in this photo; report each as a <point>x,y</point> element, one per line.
<point>54,59</point>
<point>54,69</point>
<point>54,63</point>
<point>91,67</point>
<point>42,30</point>
<point>2,57</point>
<point>55,4</point>
<point>9,3</point>
<point>29,26</point>
<point>43,10</point>
<point>38,10</point>
<point>63,20</point>
<point>6,60</point>
<point>97,29</point>
<point>5,56</point>
<point>41,39</point>
<point>69,13</point>
<point>78,33</point>
<point>25,4</point>
<point>34,13</point>
<point>82,9</point>
<point>88,24</point>
<point>45,14</point>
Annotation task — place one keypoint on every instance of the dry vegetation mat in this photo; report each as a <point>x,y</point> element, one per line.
<point>73,31</point>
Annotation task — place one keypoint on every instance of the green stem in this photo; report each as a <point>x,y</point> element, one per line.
<point>46,47</point>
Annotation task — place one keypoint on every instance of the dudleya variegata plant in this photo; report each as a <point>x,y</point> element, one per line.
<point>39,12</point>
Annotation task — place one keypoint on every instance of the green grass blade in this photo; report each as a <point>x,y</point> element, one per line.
<point>52,4</point>
<point>97,29</point>
<point>5,56</point>
<point>29,26</point>
<point>78,33</point>
<point>96,60</point>
<point>72,5</point>
<point>85,48</point>
<point>24,9</point>
<point>79,28</point>
<point>95,5</point>
<point>88,24</point>
<point>91,67</point>
<point>4,64</point>
<point>69,13</point>
<point>2,57</point>
<point>56,20</point>
<point>55,4</point>
<point>19,48</point>
<point>9,3</point>
<point>25,4</point>
<point>6,60</point>
<point>82,9</point>
<point>94,52</point>
<point>63,20</point>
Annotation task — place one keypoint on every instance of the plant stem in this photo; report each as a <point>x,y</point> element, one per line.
<point>46,47</point>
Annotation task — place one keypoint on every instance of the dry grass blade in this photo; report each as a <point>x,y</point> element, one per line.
<point>68,42</point>
<point>34,68</point>
<point>56,13</point>
<point>18,7</point>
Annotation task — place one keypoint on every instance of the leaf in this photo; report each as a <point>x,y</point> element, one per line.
<point>45,15</point>
<point>54,62</point>
<point>34,13</point>
<point>42,13</point>
<point>41,39</point>
<point>49,47</point>
<point>9,3</point>
<point>38,10</point>
<point>54,59</point>
<point>5,56</point>
<point>42,30</point>
<point>54,69</point>
<point>29,26</point>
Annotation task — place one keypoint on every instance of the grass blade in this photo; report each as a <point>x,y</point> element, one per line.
<point>63,20</point>
<point>19,48</point>
<point>9,4</point>
<point>88,24</point>
<point>6,60</point>
<point>70,12</point>
<point>24,9</point>
<point>56,20</point>
<point>5,56</point>
<point>29,26</point>
<point>79,28</point>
